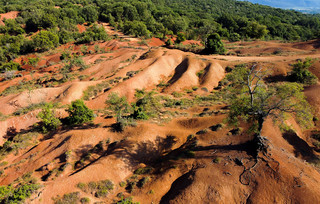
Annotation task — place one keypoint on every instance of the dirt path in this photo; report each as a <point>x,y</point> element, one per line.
<point>264,58</point>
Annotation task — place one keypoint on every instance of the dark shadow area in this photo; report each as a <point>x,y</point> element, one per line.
<point>276,78</point>
<point>247,147</point>
<point>148,152</point>
<point>178,186</point>
<point>301,148</point>
<point>179,71</point>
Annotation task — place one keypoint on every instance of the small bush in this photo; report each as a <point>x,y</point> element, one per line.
<point>79,113</point>
<point>48,119</point>
<point>70,198</point>
<point>93,91</point>
<point>301,74</point>
<point>144,170</point>
<point>84,200</point>
<point>98,189</point>
<point>217,160</point>
<point>122,184</point>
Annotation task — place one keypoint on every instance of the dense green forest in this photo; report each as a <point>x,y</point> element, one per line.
<point>232,20</point>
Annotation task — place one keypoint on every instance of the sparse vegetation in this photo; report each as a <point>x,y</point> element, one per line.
<point>93,91</point>
<point>19,191</point>
<point>99,189</point>
<point>70,198</point>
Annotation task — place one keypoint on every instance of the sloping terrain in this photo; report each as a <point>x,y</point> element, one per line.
<point>187,154</point>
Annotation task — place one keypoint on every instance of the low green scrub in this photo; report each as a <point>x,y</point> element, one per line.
<point>99,189</point>
<point>93,91</point>
<point>20,87</point>
<point>145,170</point>
<point>32,107</point>
<point>127,200</point>
<point>19,191</point>
<point>70,198</point>
<point>301,73</point>
<point>3,117</point>
<point>19,141</point>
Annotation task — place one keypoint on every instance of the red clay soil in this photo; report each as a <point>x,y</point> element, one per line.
<point>192,42</point>
<point>9,15</point>
<point>219,170</point>
<point>155,42</point>
<point>81,28</point>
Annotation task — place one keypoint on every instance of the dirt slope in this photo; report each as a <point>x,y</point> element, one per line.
<point>218,169</point>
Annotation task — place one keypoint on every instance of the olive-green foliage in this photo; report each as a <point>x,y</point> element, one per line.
<point>301,74</point>
<point>253,100</point>
<point>94,33</point>
<point>93,91</point>
<point>136,28</point>
<point>180,38</point>
<point>11,27</point>
<point>147,106</point>
<point>32,107</point>
<point>3,117</point>
<point>127,200</point>
<point>119,105</point>
<point>70,198</point>
<point>45,40</point>
<point>144,170</point>
<point>48,120</point>
<point>84,200</point>
<point>10,66</point>
<point>19,141</point>
<point>20,87</point>
<point>214,45</point>
<point>98,189</point>
<point>79,113</point>
<point>19,192</point>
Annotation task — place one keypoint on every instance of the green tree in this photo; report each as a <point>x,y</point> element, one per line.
<point>301,74</point>
<point>48,119</point>
<point>45,40</point>
<point>90,14</point>
<point>254,101</point>
<point>214,45</point>
<point>79,113</point>
<point>180,38</point>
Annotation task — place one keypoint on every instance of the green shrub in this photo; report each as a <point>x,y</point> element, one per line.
<point>214,45</point>
<point>127,201</point>
<point>9,66</point>
<point>79,113</point>
<point>45,40</point>
<point>48,119</point>
<point>122,184</point>
<point>20,192</point>
<point>84,200</point>
<point>144,170</point>
<point>98,189</point>
<point>301,74</point>
<point>70,198</point>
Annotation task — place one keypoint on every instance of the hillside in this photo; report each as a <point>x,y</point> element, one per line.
<point>165,101</point>
<point>180,148</point>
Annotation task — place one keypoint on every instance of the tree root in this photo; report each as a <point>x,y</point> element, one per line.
<point>261,146</point>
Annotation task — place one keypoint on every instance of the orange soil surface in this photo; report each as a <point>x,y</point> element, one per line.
<point>215,174</point>
<point>9,15</point>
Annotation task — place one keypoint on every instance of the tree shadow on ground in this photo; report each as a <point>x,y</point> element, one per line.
<point>301,147</point>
